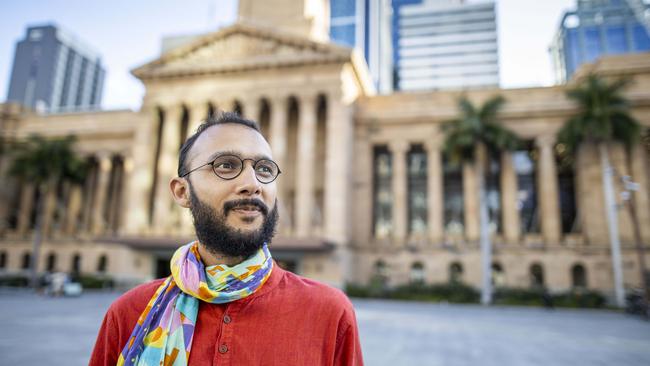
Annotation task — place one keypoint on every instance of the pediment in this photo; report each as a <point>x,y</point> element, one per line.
<point>241,47</point>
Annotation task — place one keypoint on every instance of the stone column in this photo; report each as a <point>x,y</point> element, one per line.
<point>198,114</point>
<point>49,207</point>
<point>89,192</point>
<point>306,163</point>
<point>471,203</point>
<point>278,132</point>
<point>400,190</point>
<point>101,193</point>
<point>115,201</point>
<point>252,109</point>
<point>510,213</point>
<point>435,198</point>
<point>547,190</point>
<point>72,212</point>
<point>164,212</point>
<point>26,205</point>
<point>127,181</point>
<point>137,188</point>
<point>338,166</point>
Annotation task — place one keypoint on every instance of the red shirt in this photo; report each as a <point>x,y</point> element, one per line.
<point>290,320</point>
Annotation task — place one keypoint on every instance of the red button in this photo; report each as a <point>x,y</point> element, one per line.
<point>227,319</point>
<point>223,348</point>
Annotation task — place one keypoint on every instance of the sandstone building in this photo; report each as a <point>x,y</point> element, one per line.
<point>365,188</point>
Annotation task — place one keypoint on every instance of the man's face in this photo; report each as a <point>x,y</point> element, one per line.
<point>233,217</point>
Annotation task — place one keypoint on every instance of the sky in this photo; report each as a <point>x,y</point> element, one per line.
<point>128,33</point>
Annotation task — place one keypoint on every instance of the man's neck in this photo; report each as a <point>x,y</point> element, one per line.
<point>210,259</point>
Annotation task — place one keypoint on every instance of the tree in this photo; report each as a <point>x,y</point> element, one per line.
<point>44,162</point>
<point>472,138</point>
<point>603,117</point>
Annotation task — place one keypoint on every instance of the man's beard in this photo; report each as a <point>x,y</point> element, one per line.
<point>218,237</point>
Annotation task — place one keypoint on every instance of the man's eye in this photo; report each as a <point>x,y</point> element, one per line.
<point>225,166</point>
<point>264,169</point>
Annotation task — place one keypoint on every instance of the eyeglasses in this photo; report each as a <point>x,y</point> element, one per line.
<point>229,167</point>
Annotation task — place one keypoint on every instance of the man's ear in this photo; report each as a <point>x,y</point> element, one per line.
<point>180,191</point>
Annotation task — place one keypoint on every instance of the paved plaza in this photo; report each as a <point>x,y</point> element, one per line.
<point>61,332</point>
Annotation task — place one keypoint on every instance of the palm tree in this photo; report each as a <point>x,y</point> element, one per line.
<point>43,163</point>
<point>603,116</point>
<point>473,137</point>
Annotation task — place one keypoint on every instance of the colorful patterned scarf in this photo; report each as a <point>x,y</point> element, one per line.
<point>163,333</point>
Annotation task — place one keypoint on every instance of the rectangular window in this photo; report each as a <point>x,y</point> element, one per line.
<point>344,34</point>
<point>593,47</point>
<point>616,41</point>
<point>641,39</point>
<point>525,163</point>
<point>493,193</point>
<point>417,190</point>
<point>453,197</point>
<point>567,190</point>
<point>382,192</point>
<point>342,8</point>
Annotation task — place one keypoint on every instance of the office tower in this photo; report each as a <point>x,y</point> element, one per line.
<point>445,44</point>
<point>366,25</point>
<point>596,28</point>
<point>54,71</point>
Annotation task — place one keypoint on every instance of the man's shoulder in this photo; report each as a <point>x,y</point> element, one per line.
<point>136,298</point>
<point>314,291</point>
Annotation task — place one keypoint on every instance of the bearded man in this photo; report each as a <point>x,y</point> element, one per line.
<point>227,302</point>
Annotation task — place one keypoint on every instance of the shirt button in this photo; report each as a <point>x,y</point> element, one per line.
<point>227,319</point>
<point>223,348</point>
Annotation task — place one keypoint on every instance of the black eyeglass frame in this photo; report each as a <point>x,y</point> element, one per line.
<point>243,161</point>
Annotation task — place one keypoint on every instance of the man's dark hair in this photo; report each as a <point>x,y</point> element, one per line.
<point>220,119</point>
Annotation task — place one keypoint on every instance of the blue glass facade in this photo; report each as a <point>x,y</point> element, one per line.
<point>343,22</point>
<point>599,30</point>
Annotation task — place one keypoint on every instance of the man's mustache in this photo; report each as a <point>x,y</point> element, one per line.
<point>231,205</point>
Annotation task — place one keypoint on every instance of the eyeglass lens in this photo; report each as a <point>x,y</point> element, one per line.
<point>230,166</point>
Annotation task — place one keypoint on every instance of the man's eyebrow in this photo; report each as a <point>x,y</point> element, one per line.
<point>237,153</point>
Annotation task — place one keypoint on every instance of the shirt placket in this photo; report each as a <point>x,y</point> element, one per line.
<point>223,353</point>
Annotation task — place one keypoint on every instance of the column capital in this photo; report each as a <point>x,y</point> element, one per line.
<point>399,146</point>
<point>309,97</point>
<point>434,143</point>
<point>545,141</point>
<point>105,161</point>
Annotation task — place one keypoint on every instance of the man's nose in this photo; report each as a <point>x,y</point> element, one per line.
<point>247,182</point>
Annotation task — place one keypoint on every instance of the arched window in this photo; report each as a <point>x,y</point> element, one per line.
<point>102,263</point>
<point>536,275</point>
<point>380,273</point>
<point>51,262</point>
<point>3,259</point>
<point>76,264</point>
<point>380,268</point>
<point>417,273</point>
<point>578,276</point>
<point>27,258</point>
<point>498,275</point>
<point>456,272</point>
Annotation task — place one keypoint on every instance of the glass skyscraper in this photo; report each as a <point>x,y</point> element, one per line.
<point>54,71</point>
<point>596,28</point>
<point>365,25</point>
<point>445,44</point>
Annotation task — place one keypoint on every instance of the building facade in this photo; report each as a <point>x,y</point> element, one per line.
<point>597,28</point>
<point>54,71</point>
<point>366,190</point>
<point>445,44</point>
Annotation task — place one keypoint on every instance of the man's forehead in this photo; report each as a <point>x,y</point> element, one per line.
<point>230,138</point>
